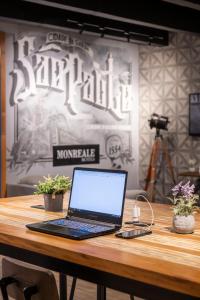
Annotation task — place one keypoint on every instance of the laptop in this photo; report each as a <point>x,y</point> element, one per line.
<point>96,205</point>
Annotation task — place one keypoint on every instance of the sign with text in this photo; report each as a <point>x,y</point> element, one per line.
<point>75,155</point>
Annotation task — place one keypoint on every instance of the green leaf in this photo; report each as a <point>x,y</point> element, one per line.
<point>53,185</point>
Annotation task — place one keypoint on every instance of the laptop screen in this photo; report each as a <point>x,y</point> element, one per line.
<point>98,194</point>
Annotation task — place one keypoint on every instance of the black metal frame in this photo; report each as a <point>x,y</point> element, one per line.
<point>4,282</point>
<point>28,291</point>
<point>101,278</point>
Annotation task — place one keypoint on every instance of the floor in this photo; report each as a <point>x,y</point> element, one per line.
<point>87,291</point>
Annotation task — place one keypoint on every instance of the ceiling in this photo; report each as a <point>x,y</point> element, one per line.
<point>146,21</point>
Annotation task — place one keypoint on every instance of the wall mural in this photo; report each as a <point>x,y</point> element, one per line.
<point>66,91</point>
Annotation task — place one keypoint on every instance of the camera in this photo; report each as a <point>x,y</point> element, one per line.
<point>159,122</point>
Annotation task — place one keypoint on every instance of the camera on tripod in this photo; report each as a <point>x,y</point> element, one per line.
<point>159,122</point>
<point>158,158</point>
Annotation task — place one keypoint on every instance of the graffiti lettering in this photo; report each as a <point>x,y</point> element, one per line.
<point>42,69</point>
<point>23,86</point>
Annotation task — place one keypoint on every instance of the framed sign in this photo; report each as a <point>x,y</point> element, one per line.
<point>194,114</point>
<point>75,155</point>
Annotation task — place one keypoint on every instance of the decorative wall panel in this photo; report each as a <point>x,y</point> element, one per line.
<point>166,77</point>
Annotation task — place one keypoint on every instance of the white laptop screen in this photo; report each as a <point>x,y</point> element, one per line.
<point>98,191</point>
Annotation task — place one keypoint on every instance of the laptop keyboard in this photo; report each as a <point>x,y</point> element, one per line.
<point>80,225</point>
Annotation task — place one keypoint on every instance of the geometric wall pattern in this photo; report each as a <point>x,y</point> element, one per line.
<point>167,75</point>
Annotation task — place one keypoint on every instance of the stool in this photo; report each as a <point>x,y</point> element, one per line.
<point>23,281</point>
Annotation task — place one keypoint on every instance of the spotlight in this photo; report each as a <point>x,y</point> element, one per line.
<point>159,122</point>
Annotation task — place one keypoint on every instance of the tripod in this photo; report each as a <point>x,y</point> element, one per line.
<point>159,151</point>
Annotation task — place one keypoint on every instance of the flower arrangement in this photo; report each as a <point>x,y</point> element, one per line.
<point>53,185</point>
<point>184,200</point>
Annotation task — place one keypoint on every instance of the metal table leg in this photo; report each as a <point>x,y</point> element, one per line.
<point>71,296</point>
<point>101,292</point>
<point>63,286</point>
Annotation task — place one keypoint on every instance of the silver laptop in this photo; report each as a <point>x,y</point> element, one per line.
<point>95,208</point>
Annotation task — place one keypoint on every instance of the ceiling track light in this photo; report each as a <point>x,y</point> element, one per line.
<point>127,35</point>
<point>81,27</point>
<point>102,31</point>
<point>113,33</point>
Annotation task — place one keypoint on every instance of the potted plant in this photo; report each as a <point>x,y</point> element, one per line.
<point>53,189</point>
<point>184,205</point>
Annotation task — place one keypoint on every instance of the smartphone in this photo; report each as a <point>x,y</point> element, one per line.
<point>38,206</point>
<point>133,233</point>
<point>142,224</point>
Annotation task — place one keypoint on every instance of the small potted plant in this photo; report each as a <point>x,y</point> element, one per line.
<point>53,189</point>
<point>184,205</point>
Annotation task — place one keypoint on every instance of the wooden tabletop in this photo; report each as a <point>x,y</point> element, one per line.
<point>164,259</point>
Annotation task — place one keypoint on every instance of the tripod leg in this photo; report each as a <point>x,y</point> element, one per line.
<point>151,175</point>
<point>168,161</point>
<point>148,178</point>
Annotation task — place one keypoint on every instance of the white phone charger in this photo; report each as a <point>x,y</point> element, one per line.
<point>136,213</point>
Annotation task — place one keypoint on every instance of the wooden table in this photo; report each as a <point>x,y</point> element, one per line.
<point>161,266</point>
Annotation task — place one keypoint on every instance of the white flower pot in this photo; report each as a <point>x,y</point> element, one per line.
<point>183,224</point>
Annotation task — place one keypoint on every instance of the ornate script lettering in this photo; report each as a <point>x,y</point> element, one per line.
<point>40,68</point>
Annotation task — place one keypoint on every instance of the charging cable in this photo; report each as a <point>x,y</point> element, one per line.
<point>151,209</point>
<point>136,214</point>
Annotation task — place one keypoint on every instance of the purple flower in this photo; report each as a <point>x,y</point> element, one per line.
<point>177,189</point>
<point>187,190</point>
<point>184,190</point>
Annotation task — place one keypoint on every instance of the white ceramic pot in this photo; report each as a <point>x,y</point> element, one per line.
<point>183,224</point>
